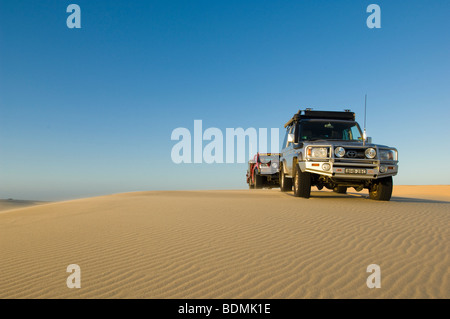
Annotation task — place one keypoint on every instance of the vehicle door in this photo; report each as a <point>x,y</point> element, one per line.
<point>288,152</point>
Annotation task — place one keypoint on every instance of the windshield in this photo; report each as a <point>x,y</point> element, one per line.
<point>330,130</point>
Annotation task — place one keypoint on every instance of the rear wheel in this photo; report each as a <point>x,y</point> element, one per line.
<point>302,183</point>
<point>381,189</point>
<point>340,189</point>
<point>285,183</point>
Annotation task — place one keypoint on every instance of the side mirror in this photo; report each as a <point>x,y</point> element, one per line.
<point>290,138</point>
<point>369,140</point>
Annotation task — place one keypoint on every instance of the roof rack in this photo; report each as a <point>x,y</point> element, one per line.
<point>329,115</point>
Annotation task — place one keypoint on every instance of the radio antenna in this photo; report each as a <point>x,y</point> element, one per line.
<point>365,112</point>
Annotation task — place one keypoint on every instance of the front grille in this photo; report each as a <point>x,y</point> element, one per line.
<point>357,153</point>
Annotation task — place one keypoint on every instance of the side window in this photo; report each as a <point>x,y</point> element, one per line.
<point>295,132</point>
<point>285,137</point>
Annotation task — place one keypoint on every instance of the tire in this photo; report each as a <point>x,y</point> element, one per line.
<point>302,183</point>
<point>382,189</point>
<point>340,189</point>
<point>285,183</point>
<point>258,181</point>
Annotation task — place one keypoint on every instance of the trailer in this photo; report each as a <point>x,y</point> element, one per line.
<point>263,171</point>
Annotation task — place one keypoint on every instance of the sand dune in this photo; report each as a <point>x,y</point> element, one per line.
<point>230,244</point>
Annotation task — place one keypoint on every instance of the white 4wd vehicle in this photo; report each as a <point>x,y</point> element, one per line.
<point>326,149</point>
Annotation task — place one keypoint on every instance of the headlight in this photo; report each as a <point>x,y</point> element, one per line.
<point>387,155</point>
<point>370,153</point>
<point>339,151</point>
<point>275,165</point>
<point>318,152</point>
<point>326,167</point>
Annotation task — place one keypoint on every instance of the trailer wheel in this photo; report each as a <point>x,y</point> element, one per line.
<point>285,183</point>
<point>340,189</point>
<point>258,181</point>
<point>381,189</point>
<point>302,183</point>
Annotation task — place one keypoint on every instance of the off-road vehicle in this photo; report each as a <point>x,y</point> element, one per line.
<point>327,149</point>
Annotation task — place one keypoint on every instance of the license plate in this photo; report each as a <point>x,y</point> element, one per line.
<point>355,171</point>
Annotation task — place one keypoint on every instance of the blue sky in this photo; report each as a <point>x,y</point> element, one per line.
<point>90,111</point>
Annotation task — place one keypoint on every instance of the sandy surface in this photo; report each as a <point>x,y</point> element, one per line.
<point>7,204</point>
<point>230,244</point>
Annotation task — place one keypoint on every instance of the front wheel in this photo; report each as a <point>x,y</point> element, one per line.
<point>302,183</point>
<point>285,183</point>
<point>381,189</point>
